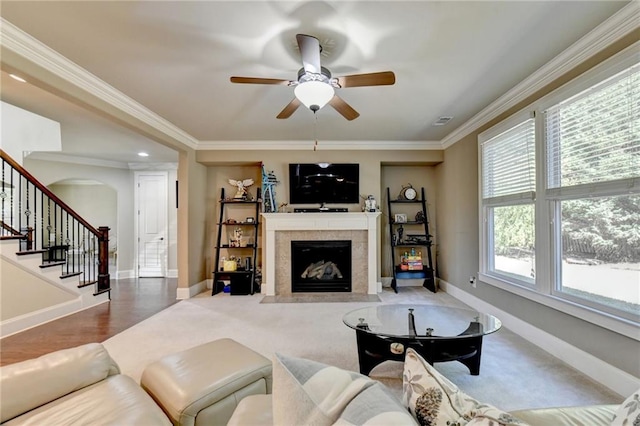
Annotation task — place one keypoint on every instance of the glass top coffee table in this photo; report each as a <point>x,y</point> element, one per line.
<point>438,333</point>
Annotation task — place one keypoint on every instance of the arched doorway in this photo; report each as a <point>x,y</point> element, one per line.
<point>97,203</point>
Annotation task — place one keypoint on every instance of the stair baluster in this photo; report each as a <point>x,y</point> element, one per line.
<point>45,224</point>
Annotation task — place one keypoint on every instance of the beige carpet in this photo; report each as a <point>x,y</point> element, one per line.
<point>514,374</point>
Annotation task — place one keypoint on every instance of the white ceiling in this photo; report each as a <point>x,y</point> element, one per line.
<point>84,133</point>
<point>451,58</point>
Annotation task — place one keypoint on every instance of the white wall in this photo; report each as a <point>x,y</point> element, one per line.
<point>22,131</point>
<point>121,180</point>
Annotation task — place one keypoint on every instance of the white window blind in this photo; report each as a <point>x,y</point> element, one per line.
<point>508,164</point>
<point>595,135</point>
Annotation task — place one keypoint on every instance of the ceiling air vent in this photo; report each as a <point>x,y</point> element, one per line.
<point>441,121</point>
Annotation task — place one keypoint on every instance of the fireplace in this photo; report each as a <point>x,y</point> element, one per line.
<point>361,228</point>
<point>321,266</point>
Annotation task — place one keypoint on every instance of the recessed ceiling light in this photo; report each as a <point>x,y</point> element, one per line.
<point>143,154</point>
<point>18,78</point>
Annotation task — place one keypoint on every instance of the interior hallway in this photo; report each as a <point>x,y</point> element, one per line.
<point>132,300</point>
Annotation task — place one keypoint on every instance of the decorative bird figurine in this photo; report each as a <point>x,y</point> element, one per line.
<point>242,186</point>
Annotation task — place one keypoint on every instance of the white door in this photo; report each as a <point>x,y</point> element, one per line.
<point>152,223</point>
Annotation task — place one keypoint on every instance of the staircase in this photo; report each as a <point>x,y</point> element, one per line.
<point>46,245</point>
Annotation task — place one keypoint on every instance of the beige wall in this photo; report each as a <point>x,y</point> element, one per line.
<point>96,203</point>
<point>218,178</point>
<point>172,217</point>
<point>378,169</point>
<point>23,293</point>
<point>458,230</point>
<point>395,177</point>
<point>192,220</point>
<point>457,212</point>
<point>278,161</point>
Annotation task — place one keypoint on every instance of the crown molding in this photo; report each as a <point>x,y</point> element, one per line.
<point>26,46</point>
<point>153,166</point>
<point>86,161</point>
<point>31,49</point>
<point>63,158</point>
<point>308,145</point>
<point>613,29</point>
<point>79,182</point>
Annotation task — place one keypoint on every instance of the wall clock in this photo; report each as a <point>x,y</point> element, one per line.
<point>408,193</point>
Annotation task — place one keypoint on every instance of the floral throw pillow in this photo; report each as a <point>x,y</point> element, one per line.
<point>628,414</point>
<point>435,401</point>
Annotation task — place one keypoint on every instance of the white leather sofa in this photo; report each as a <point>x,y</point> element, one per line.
<point>83,385</point>
<point>220,382</point>
<point>256,410</point>
<point>203,385</point>
<point>306,392</point>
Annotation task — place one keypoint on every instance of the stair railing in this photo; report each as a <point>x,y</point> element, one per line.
<point>46,224</point>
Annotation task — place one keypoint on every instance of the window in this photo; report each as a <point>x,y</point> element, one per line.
<point>565,223</point>
<point>600,242</point>
<point>592,145</point>
<point>508,192</point>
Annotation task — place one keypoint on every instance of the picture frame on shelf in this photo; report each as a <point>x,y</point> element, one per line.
<point>400,218</point>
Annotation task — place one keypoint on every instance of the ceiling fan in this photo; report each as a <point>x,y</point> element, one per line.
<point>315,87</point>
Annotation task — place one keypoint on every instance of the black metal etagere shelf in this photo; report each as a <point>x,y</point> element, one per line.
<point>411,263</point>
<point>242,280</point>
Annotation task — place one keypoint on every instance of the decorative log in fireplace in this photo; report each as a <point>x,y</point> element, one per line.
<point>321,266</point>
<point>322,271</point>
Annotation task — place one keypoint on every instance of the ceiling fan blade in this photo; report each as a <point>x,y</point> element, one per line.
<point>343,108</point>
<point>310,51</point>
<point>289,109</point>
<point>258,80</point>
<point>384,78</point>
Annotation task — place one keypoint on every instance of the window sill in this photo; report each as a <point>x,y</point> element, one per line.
<point>611,322</point>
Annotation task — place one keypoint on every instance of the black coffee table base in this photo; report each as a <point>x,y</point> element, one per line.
<point>374,350</point>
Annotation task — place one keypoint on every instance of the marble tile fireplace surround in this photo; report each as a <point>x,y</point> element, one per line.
<point>282,228</point>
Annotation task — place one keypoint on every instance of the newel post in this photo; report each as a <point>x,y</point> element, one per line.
<point>104,280</point>
<point>28,235</point>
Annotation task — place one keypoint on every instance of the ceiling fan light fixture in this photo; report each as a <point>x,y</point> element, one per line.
<point>314,94</point>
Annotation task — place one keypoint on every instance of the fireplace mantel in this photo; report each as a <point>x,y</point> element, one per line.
<point>276,222</point>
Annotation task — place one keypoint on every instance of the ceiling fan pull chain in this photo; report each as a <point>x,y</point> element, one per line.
<point>315,131</point>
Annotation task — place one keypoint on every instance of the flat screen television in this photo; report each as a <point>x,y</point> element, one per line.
<point>319,183</point>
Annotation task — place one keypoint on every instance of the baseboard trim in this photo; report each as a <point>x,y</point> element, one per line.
<point>33,319</point>
<point>187,293</point>
<point>125,274</point>
<point>171,273</point>
<point>615,379</point>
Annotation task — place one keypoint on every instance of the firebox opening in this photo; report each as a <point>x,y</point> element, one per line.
<point>321,266</point>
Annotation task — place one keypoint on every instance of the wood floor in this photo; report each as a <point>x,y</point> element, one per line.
<point>132,300</point>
